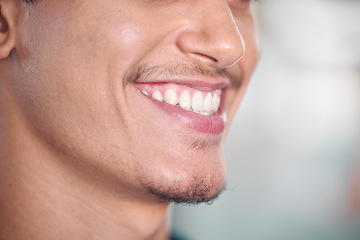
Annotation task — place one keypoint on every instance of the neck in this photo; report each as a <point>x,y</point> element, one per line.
<point>44,199</point>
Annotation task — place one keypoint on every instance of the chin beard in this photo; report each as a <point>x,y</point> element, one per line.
<point>201,187</point>
<point>198,191</point>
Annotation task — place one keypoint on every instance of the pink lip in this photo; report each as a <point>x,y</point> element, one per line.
<point>214,124</point>
<point>202,84</point>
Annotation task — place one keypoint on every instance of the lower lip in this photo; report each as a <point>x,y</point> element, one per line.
<point>214,124</point>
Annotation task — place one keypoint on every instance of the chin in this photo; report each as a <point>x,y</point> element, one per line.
<point>196,192</point>
<point>189,181</point>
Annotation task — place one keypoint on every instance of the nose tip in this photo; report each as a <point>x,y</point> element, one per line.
<point>220,48</point>
<point>227,51</point>
<point>215,40</point>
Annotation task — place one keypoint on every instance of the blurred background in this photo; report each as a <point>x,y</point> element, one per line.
<point>293,151</point>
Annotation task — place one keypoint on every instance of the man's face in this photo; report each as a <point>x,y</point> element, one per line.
<point>89,76</point>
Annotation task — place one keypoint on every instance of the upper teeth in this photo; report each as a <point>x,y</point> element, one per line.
<point>205,103</point>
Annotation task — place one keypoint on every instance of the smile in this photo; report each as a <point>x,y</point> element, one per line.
<point>198,107</point>
<point>201,102</point>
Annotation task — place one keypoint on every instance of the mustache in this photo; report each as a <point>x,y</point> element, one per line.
<point>178,70</point>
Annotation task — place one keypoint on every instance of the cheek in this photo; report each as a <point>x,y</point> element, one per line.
<point>61,85</point>
<point>248,31</point>
<point>73,55</point>
<point>71,81</point>
<point>252,54</point>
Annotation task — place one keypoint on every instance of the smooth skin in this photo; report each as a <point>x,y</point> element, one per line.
<point>85,155</point>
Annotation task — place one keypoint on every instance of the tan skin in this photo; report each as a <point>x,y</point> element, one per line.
<point>78,160</point>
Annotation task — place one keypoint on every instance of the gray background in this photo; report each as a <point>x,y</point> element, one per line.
<point>293,151</point>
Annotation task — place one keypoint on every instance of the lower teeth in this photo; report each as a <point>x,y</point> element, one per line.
<point>205,113</point>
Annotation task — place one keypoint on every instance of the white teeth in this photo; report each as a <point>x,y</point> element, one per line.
<point>215,102</point>
<point>208,102</point>
<point>185,100</point>
<point>157,95</point>
<point>171,97</point>
<point>197,102</point>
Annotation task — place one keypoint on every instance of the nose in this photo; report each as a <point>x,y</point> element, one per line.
<point>211,35</point>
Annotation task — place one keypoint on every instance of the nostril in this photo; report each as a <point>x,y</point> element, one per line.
<point>202,55</point>
<point>217,42</point>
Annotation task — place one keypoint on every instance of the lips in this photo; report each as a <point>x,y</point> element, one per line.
<point>198,108</point>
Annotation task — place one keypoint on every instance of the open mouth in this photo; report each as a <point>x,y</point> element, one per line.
<point>199,108</point>
<point>206,103</point>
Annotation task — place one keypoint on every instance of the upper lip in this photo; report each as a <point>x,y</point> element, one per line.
<point>197,82</point>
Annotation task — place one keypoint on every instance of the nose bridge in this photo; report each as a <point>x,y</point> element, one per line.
<point>216,18</point>
<point>218,36</point>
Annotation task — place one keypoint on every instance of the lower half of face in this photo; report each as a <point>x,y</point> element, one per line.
<point>124,105</point>
<point>128,136</point>
<point>179,152</point>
